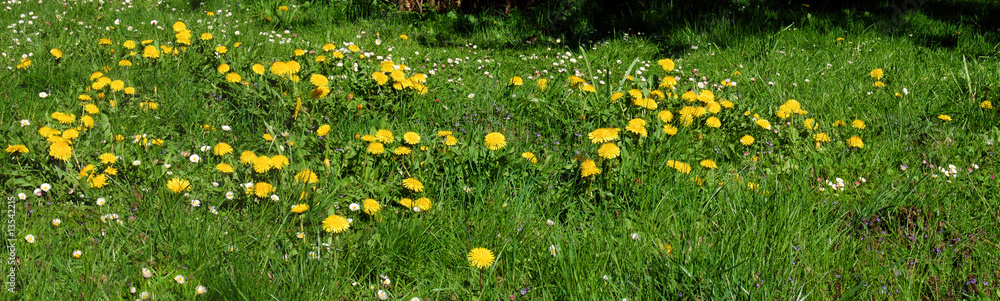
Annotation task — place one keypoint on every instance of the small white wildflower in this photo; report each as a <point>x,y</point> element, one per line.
<point>635,236</point>
<point>274,197</point>
<point>382,295</point>
<point>45,187</point>
<point>43,94</point>
<point>200,290</point>
<point>205,148</point>
<point>29,238</point>
<point>211,209</point>
<point>179,279</point>
<point>226,128</point>
<point>550,222</point>
<point>25,122</point>
<point>101,201</point>
<point>195,203</point>
<point>136,163</point>
<point>23,196</point>
<point>354,207</point>
<point>230,195</point>
<point>195,158</point>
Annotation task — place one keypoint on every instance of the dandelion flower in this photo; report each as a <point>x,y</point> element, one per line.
<point>944,117</point>
<point>858,124</point>
<point>98,181</point>
<point>224,168</point>
<point>385,136</point>
<point>279,162</point>
<point>986,104</point>
<point>709,164</point>
<point>413,185</point>
<point>177,185</point>
<point>247,157</point>
<point>481,258</point>
<point>307,176</point>
<point>411,138</point>
<point>542,83</point>
<point>764,124</point>
<point>323,130</point>
<point>821,137</point>
<point>402,151</point>
<point>516,81</point>
<point>262,189</point>
<point>450,140</point>
<point>588,168</point>
<point>222,149</point>
<point>61,151</point>
<point>530,157</point>
<point>376,148</point>
<point>670,129</point>
<point>747,140</point>
<point>262,164</point>
<point>855,141</point>
<point>680,166</point>
<point>336,224</point>
<point>495,141</point>
<point>423,203</point>
<point>56,53</point>
<point>877,74</point>
<point>609,151</point>
<point>666,64</point>
<point>19,148</point>
<point>637,126</point>
<point>300,208</point>
<point>371,206</point>
<point>713,122</point>
<point>603,135</point>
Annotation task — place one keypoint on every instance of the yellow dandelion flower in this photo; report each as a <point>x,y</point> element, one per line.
<point>713,122</point>
<point>150,52</point>
<point>495,141</point>
<point>61,150</point>
<point>747,140</point>
<point>588,168</point>
<point>385,136</point>
<point>299,208</point>
<point>222,149</point>
<point>423,203</point>
<point>763,123</point>
<point>402,151</point>
<point>530,157</point>
<point>279,162</point>
<point>178,185</point>
<point>450,140</point>
<point>516,81</point>
<point>108,158</point>
<point>411,138</point>
<point>18,148</point>
<point>307,176</point>
<point>262,164</point>
<point>986,104</point>
<point>542,83</point>
<point>666,64</point>
<point>709,164</point>
<point>371,206</point>
<point>877,74</point>
<point>336,224</point>
<point>376,148</point>
<point>98,181</point>
<point>248,157</point>
<point>480,258</point>
<point>855,141</point>
<point>858,124</point>
<point>262,189</point>
<point>670,129</point>
<point>406,202</point>
<point>224,168</point>
<point>603,135</point>
<point>821,137</point>
<point>609,151</point>
<point>665,116</point>
<point>944,117</point>
<point>413,185</point>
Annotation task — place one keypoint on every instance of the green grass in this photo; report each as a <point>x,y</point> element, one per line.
<point>639,230</point>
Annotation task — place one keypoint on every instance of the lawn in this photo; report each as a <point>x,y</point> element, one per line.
<point>283,150</point>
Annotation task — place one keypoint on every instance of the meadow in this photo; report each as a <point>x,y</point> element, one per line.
<point>282,150</point>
